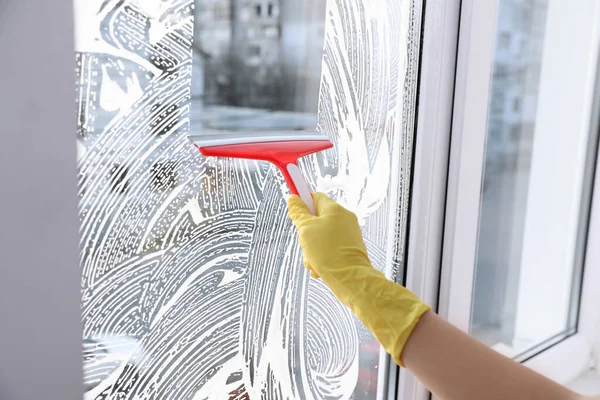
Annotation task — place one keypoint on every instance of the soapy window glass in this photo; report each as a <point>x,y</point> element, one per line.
<point>192,280</point>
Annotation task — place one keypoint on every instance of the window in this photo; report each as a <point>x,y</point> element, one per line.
<point>515,132</point>
<point>192,280</point>
<point>527,230</point>
<point>523,47</point>
<point>524,17</point>
<point>504,41</point>
<point>517,104</point>
<point>497,104</point>
<point>270,9</point>
<point>258,10</point>
<point>501,72</point>
<point>221,12</point>
<point>271,31</point>
<point>518,204</point>
<point>251,33</point>
<point>254,51</point>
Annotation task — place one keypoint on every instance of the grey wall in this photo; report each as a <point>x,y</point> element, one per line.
<point>40,336</point>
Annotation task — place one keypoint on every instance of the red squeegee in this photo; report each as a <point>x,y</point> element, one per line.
<point>280,148</point>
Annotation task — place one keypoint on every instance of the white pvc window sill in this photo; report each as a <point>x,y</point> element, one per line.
<point>587,384</point>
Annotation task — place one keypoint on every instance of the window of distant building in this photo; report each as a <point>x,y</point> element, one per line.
<point>516,104</point>
<point>254,51</point>
<point>523,44</point>
<point>524,22</point>
<point>270,9</point>
<point>504,41</point>
<point>221,12</point>
<point>500,72</point>
<point>497,104</point>
<point>515,132</point>
<point>272,31</point>
<point>258,10</point>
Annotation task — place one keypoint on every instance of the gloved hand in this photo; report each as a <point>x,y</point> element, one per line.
<point>333,249</point>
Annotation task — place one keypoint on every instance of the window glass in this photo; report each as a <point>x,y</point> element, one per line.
<point>192,280</point>
<point>535,186</point>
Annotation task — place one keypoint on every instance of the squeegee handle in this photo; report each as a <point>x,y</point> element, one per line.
<point>298,185</point>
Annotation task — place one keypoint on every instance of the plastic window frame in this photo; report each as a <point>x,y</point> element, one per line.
<point>568,358</point>
<point>430,163</point>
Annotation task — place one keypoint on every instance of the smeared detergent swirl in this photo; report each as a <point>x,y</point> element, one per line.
<point>192,280</point>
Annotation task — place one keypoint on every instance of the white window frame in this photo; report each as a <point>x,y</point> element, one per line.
<point>570,357</point>
<point>40,334</point>
<point>430,163</point>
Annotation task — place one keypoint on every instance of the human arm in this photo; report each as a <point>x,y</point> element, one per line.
<point>453,365</point>
<point>449,362</point>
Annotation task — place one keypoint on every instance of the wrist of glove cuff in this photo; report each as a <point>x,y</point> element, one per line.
<point>388,310</point>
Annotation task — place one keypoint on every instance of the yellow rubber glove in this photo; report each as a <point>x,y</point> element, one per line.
<point>333,249</point>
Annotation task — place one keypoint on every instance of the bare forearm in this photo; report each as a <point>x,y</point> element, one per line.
<point>453,365</point>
